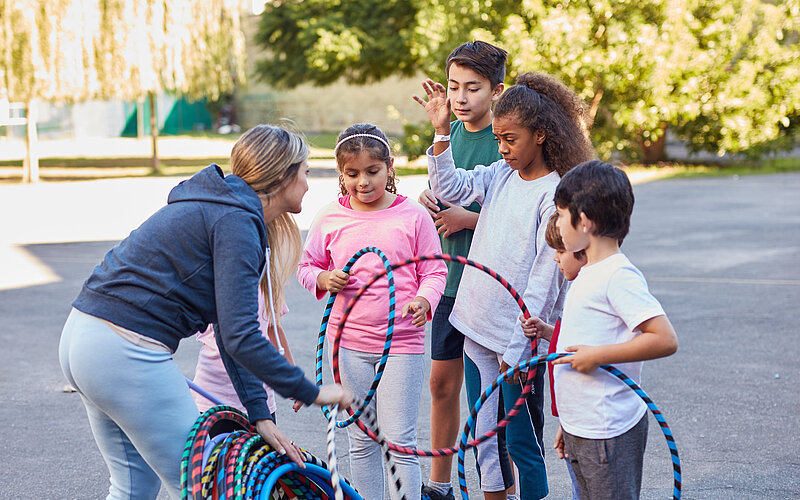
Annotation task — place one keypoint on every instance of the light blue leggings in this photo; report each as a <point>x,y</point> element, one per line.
<point>139,406</point>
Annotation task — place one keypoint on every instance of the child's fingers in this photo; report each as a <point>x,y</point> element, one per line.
<point>420,317</point>
<point>420,100</point>
<point>428,86</point>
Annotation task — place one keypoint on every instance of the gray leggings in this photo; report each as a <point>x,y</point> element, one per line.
<point>397,403</point>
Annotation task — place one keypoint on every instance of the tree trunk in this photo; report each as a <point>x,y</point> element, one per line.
<point>653,151</point>
<point>30,166</point>
<point>154,131</point>
<point>140,118</point>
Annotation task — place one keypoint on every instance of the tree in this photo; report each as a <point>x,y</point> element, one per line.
<point>363,41</point>
<point>44,58</point>
<point>70,50</point>
<point>191,47</point>
<point>721,74</point>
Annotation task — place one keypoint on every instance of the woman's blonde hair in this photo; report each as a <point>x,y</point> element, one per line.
<point>268,158</point>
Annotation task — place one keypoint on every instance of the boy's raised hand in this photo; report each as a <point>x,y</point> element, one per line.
<point>437,106</point>
<point>419,307</point>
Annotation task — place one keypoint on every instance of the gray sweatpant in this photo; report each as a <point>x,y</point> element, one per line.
<point>397,403</point>
<point>609,469</point>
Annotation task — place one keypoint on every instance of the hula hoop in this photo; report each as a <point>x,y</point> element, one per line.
<point>530,364</point>
<point>241,465</point>
<point>676,464</point>
<point>389,332</point>
<point>340,328</point>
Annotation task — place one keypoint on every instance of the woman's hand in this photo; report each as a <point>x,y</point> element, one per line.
<point>333,281</point>
<point>334,394</point>
<point>419,307</point>
<point>437,106</point>
<point>279,442</point>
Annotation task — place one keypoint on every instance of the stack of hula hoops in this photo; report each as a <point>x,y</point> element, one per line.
<point>225,458</point>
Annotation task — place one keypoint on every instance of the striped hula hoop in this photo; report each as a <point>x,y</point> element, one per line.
<point>530,365</point>
<point>676,463</point>
<point>389,334</point>
<point>240,465</point>
<point>340,328</point>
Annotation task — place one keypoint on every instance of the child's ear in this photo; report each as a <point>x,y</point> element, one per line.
<point>540,137</point>
<point>497,91</point>
<point>586,224</point>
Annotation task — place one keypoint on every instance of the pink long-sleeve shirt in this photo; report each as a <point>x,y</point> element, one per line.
<point>401,231</point>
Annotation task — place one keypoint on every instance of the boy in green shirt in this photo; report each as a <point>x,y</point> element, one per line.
<point>475,73</point>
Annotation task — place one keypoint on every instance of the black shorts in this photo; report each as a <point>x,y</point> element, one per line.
<point>446,341</point>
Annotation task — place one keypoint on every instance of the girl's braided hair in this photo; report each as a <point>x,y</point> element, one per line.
<point>541,103</point>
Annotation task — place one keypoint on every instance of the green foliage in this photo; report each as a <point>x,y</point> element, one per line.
<point>416,139</point>
<point>362,41</point>
<point>66,50</point>
<point>322,40</point>
<point>748,89</point>
<point>722,74</point>
<point>715,71</point>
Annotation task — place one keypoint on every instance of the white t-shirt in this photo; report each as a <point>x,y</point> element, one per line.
<point>605,303</point>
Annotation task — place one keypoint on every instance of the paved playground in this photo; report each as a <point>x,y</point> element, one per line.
<point>721,254</point>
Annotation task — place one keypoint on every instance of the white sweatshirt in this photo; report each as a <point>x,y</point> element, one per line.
<point>509,238</point>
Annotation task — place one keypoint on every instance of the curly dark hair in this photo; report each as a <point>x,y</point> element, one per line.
<point>542,103</point>
<point>376,149</point>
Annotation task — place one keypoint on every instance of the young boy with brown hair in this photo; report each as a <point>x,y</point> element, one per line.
<point>609,317</point>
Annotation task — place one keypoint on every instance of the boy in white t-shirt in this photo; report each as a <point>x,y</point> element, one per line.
<point>609,317</point>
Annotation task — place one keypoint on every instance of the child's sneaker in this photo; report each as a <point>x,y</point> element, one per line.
<point>429,493</point>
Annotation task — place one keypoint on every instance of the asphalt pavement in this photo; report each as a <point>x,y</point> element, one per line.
<point>721,254</point>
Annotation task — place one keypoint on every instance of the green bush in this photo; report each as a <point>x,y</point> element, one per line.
<point>416,139</point>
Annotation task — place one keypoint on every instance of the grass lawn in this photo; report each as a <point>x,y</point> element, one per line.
<point>321,161</point>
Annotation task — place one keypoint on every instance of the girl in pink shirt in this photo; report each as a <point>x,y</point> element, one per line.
<point>210,373</point>
<point>370,213</point>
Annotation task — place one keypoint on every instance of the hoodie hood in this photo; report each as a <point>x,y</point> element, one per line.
<point>211,185</point>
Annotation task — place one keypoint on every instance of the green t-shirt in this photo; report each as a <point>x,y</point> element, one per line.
<point>469,149</point>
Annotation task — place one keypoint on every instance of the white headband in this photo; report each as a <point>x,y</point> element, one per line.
<point>371,136</point>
